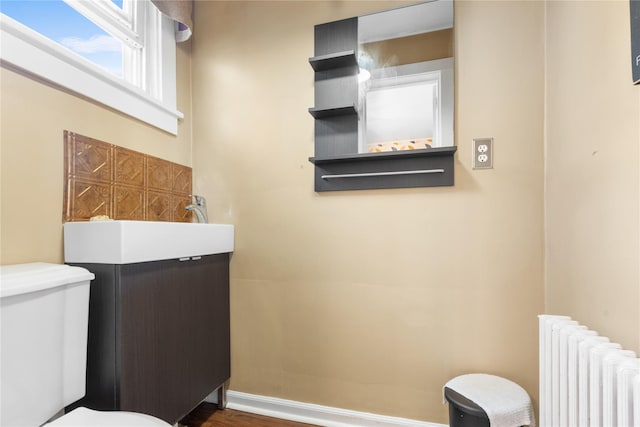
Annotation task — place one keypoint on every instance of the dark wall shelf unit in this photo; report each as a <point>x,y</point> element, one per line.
<point>338,165</point>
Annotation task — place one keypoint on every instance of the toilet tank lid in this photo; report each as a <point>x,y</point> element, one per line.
<point>25,278</point>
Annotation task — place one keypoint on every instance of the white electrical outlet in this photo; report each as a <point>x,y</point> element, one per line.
<point>482,153</point>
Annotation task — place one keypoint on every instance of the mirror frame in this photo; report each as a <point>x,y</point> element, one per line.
<point>338,164</point>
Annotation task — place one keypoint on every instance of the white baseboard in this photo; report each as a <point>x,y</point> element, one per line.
<point>313,414</point>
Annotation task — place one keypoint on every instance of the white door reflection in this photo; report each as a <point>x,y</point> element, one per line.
<point>402,115</point>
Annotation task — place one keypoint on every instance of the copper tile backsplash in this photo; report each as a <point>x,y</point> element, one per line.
<point>104,179</point>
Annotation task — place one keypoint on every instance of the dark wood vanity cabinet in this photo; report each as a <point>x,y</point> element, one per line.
<point>158,335</point>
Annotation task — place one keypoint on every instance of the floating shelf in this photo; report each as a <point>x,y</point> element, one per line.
<point>431,167</point>
<point>319,113</point>
<point>334,60</point>
<point>387,155</point>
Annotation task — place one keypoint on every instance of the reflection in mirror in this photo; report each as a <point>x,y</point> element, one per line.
<point>406,78</point>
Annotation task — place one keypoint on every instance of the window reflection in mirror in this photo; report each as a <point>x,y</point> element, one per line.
<point>406,78</point>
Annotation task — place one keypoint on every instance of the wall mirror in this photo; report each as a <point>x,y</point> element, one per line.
<point>405,89</point>
<point>384,99</point>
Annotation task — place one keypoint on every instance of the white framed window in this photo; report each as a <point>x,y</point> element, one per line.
<point>120,53</point>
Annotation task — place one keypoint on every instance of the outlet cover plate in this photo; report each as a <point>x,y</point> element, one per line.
<point>482,153</point>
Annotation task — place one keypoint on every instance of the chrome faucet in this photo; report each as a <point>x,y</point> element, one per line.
<point>199,207</point>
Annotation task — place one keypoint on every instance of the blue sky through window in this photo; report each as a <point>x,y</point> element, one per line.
<point>59,22</point>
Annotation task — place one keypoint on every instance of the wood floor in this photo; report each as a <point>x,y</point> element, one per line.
<point>208,415</point>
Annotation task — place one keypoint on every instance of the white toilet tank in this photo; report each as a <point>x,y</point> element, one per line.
<point>44,317</point>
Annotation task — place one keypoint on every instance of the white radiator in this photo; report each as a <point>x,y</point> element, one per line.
<point>585,380</point>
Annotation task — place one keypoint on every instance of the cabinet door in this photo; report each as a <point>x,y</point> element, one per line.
<point>207,344</point>
<point>152,334</point>
<point>174,334</point>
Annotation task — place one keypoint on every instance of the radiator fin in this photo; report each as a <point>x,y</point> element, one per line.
<point>585,380</point>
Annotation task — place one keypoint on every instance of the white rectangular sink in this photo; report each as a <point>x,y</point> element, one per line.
<point>127,242</point>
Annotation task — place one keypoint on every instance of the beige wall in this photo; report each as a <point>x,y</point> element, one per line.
<point>592,181</point>
<point>371,300</point>
<point>33,116</point>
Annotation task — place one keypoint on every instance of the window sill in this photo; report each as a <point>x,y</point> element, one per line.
<point>35,55</point>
